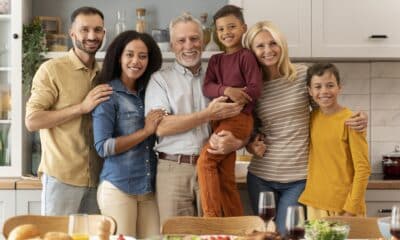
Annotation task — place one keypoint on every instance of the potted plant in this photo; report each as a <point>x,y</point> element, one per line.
<point>33,46</point>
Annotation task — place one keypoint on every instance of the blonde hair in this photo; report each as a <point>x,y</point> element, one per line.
<point>184,18</point>
<point>285,66</point>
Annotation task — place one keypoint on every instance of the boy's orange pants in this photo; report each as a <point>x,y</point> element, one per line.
<point>216,173</point>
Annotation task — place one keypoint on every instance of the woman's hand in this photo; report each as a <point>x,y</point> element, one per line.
<point>224,142</point>
<point>257,147</point>
<point>237,95</point>
<point>153,118</point>
<point>358,121</point>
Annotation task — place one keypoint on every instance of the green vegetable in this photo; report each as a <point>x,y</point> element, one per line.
<point>325,230</point>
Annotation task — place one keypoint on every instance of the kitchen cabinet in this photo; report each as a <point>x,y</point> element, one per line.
<point>357,28</point>
<point>7,205</point>
<point>292,17</point>
<point>380,201</point>
<point>27,202</point>
<point>11,90</point>
<point>332,28</point>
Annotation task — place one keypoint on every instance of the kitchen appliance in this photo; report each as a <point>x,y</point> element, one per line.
<point>391,164</point>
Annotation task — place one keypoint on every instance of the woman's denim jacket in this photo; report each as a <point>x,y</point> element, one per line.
<point>133,171</point>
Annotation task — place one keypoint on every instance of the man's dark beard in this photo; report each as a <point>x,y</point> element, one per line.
<point>79,45</point>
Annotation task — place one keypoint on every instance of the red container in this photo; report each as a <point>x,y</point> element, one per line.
<point>391,164</point>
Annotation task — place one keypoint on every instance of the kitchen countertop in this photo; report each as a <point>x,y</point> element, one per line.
<point>376,182</point>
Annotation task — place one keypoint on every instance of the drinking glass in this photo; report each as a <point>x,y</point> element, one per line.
<point>78,226</point>
<point>395,222</point>
<point>295,222</point>
<point>266,206</point>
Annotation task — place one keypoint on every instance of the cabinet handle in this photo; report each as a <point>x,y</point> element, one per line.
<point>378,36</point>
<point>384,210</point>
<point>15,36</point>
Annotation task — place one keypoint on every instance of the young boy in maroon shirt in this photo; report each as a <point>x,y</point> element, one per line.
<point>235,74</point>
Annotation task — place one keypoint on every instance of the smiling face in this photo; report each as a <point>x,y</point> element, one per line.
<point>87,33</point>
<point>324,90</point>
<point>134,61</point>
<point>230,31</point>
<point>186,43</point>
<point>267,50</point>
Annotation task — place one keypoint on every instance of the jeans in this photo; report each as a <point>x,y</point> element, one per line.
<point>59,198</point>
<point>286,194</point>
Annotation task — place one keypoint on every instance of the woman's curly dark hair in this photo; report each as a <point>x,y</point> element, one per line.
<point>112,67</point>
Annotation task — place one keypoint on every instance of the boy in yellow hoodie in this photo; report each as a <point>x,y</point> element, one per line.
<point>338,167</point>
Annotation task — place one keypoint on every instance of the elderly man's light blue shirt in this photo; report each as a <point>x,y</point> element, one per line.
<point>179,91</point>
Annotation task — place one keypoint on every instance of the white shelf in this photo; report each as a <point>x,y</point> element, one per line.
<point>100,55</point>
<point>5,17</point>
<point>5,69</point>
<point>5,121</point>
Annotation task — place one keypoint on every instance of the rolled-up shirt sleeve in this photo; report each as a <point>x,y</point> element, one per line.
<point>156,95</point>
<point>103,128</point>
<point>44,92</point>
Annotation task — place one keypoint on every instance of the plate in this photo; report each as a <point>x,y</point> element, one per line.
<point>113,237</point>
<point>217,237</point>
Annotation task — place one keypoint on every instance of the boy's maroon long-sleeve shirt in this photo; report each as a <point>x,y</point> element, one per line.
<point>238,69</point>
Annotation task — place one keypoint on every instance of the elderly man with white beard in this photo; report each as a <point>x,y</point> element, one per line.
<point>185,128</point>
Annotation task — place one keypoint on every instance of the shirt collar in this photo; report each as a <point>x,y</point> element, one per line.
<point>185,70</point>
<point>117,85</point>
<point>77,63</point>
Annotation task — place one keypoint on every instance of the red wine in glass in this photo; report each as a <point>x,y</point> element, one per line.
<point>395,222</point>
<point>266,213</point>
<point>296,233</point>
<point>395,232</point>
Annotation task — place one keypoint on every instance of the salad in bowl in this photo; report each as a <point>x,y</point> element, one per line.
<point>325,230</point>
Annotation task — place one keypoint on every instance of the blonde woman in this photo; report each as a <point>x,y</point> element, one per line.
<point>281,147</point>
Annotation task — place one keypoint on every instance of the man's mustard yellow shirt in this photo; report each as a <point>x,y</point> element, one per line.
<point>67,150</point>
<point>338,167</point>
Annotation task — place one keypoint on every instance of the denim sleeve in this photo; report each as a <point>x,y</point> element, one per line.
<point>104,116</point>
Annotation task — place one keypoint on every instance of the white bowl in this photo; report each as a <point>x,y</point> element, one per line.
<point>384,226</point>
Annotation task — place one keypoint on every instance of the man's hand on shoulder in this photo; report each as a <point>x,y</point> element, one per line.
<point>96,96</point>
<point>219,109</point>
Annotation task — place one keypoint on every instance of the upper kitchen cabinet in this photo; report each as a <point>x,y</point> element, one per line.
<point>332,28</point>
<point>292,17</point>
<point>357,28</point>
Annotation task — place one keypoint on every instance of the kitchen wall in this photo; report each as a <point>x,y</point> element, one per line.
<point>158,12</point>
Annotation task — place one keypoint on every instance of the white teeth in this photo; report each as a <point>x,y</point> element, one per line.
<point>134,68</point>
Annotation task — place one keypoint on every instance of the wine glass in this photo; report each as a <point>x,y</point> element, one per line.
<point>395,222</point>
<point>295,222</point>
<point>78,226</point>
<point>266,206</point>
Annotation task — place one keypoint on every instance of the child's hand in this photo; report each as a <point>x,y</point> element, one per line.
<point>153,119</point>
<point>237,95</point>
<point>257,147</point>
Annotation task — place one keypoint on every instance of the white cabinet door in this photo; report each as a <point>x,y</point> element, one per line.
<point>7,205</point>
<point>292,17</point>
<point>380,202</point>
<point>11,90</point>
<point>28,202</point>
<point>357,28</point>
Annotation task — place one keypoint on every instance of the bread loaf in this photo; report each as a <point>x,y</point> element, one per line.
<point>56,236</point>
<point>24,231</point>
